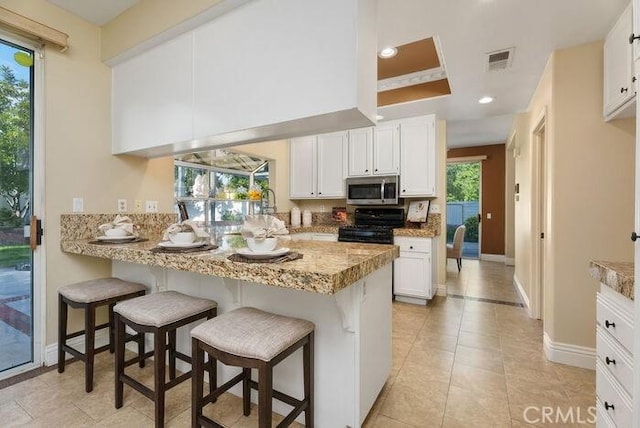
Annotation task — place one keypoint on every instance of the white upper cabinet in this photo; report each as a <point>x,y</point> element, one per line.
<point>374,151</point>
<point>302,156</point>
<point>360,152</point>
<point>386,149</point>
<point>635,6</point>
<point>619,80</point>
<point>331,158</point>
<point>317,166</point>
<point>153,97</point>
<point>418,157</point>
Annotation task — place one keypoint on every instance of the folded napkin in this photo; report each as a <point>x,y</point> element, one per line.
<point>263,226</point>
<point>120,222</point>
<point>184,226</point>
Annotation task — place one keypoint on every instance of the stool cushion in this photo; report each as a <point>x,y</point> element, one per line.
<point>159,309</point>
<point>252,333</point>
<point>97,290</point>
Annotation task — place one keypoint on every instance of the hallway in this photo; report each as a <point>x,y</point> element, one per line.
<point>460,361</point>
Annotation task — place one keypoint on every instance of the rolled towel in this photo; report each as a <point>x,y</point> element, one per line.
<point>120,222</point>
<point>184,226</point>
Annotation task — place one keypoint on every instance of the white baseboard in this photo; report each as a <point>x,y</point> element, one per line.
<point>520,290</point>
<point>412,300</point>
<point>566,353</point>
<point>509,261</point>
<point>51,351</point>
<point>492,257</point>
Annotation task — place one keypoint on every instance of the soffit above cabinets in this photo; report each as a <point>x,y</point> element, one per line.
<point>98,12</point>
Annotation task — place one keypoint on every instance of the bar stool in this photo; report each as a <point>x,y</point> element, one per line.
<point>251,338</point>
<point>161,314</point>
<point>89,295</point>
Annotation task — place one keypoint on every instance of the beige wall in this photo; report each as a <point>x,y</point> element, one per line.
<point>145,20</point>
<point>509,201</point>
<point>77,149</point>
<point>590,175</point>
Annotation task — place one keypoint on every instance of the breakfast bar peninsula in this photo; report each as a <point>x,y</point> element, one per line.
<point>343,288</point>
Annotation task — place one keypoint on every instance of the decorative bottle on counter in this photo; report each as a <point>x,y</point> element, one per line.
<point>295,217</point>
<point>306,218</point>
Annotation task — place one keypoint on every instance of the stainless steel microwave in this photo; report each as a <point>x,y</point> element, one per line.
<point>373,190</point>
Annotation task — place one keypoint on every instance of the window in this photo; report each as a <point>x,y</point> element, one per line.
<point>217,196</point>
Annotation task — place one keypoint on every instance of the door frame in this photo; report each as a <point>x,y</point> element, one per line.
<point>38,266</point>
<point>538,214</point>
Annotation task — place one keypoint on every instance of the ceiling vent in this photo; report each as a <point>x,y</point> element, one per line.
<point>499,60</point>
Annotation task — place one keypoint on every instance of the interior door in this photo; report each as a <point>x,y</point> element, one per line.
<point>19,314</point>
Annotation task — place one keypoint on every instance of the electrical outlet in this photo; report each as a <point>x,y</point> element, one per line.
<point>122,205</point>
<point>138,206</point>
<point>78,205</point>
<point>148,206</point>
<point>155,206</point>
<point>434,209</point>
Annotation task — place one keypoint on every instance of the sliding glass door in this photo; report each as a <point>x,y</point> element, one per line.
<point>16,179</point>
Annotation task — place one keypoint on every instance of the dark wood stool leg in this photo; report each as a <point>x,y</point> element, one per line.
<point>112,330</point>
<point>62,332</point>
<point>141,350</point>
<point>213,375</point>
<point>246,392</point>
<point>89,352</point>
<point>307,357</point>
<point>119,359</point>
<point>172,354</point>
<point>159,351</point>
<point>197,375</point>
<point>265,388</point>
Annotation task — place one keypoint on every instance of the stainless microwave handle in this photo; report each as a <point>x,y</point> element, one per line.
<point>382,190</point>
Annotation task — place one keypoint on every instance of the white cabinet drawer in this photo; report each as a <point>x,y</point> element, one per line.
<point>418,245</point>
<point>602,417</point>
<point>614,319</point>
<point>615,401</point>
<point>615,359</point>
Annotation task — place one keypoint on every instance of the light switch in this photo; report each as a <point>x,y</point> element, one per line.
<point>488,216</point>
<point>434,209</point>
<point>78,205</point>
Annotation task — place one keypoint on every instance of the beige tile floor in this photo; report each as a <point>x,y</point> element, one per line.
<point>456,363</point>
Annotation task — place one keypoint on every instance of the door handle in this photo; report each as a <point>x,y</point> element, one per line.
<point>35,235</point>
<point>479,217</point>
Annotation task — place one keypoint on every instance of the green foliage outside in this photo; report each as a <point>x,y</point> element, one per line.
<point>15,126</point>
<point>14,254</point>
<point>463,182</point>
<point>471,233</point>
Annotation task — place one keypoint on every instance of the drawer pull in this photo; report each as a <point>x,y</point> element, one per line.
<point>411,247</point>
<point>608,406</point>
<point>608,324</point>
<point>610,361</point>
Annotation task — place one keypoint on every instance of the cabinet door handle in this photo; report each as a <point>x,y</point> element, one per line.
<point>366,170</point>
<point>608,406</point>
<point>411,247</point>
<point>608,324</point>
<point>634,236</point>
<point>404,190</point>
<point>633,79</point>
<point>633,37</point>
<point>623,90</point>
<point>376,170</point>
<point>610,361</point>
<point>319,193</point>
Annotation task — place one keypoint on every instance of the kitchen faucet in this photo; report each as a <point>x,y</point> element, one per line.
<point>267,209</point>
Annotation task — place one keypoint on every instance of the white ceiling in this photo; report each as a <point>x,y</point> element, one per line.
<point>98,12</point>
<point>467,29</point>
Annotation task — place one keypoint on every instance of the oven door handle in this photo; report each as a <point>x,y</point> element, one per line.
<point>382,190</point>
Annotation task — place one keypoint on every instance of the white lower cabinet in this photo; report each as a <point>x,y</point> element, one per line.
<point>412,270</point>
<point>614,361</point>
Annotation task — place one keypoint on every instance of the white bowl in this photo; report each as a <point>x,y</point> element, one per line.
<point>183,237</point>
<point>115,233</point>
<point>262,245</point>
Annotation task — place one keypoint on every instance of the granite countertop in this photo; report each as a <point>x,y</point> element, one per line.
<point>616,275</point>
<point>404,231</point>
<point>326,267</point>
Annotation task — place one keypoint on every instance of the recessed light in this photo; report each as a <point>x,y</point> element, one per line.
<point>388,53</point>
<point>379,117</point>
<point>485,100</point>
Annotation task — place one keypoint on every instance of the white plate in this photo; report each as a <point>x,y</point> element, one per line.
<point>246,252</point>
<point>115,238</point>
<point>169,244</point>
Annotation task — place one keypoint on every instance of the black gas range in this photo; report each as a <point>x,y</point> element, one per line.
<point>372,226</point>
